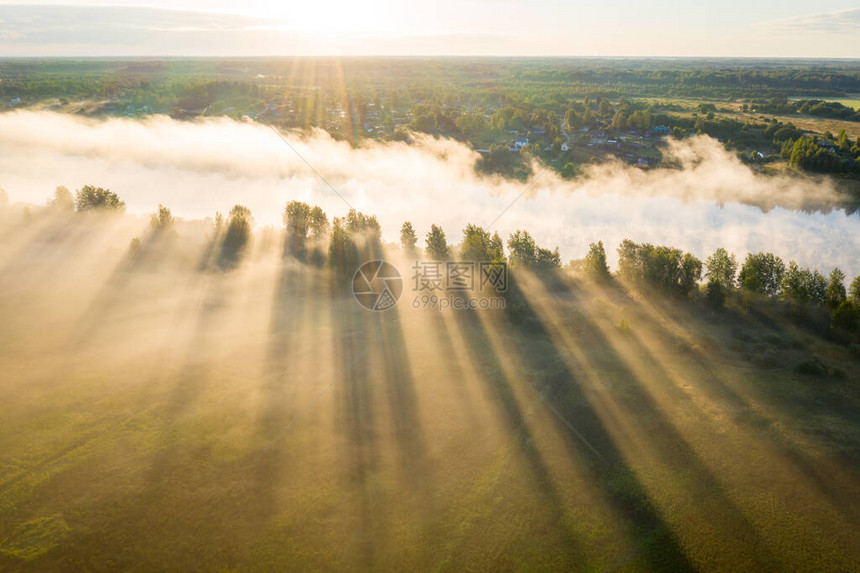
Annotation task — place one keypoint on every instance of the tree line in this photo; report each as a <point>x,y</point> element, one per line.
<point>344,242</point>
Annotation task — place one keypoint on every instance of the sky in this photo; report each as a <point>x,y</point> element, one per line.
<point>664,28</point>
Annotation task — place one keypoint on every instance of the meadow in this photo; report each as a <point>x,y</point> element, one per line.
<point>162,416</point>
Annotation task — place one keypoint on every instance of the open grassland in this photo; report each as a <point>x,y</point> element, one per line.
<point>157,417</point>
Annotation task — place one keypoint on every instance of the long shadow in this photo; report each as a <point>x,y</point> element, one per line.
<point>481,351</point>
<point>289,314</point>
<point>841,499</point>
<point>671,447</point>
<point>192,377</point>
<point>154,251</point>
<point>399,386</point>
<point>441,334</point>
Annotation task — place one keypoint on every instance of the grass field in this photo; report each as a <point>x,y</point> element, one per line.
<point>158,417</point>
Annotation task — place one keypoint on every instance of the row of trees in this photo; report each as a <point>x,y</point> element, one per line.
<point>87,198</point>
<point>811,154</point>
<point>346,241</point>
<point>308,231</point>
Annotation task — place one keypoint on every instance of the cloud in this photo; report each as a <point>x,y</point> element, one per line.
<point>196,168</point>
<point>838,22</point>
<point>101,30</point>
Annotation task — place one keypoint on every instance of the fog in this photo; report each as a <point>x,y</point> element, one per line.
<point>198,168</point>
<point>163,414</point>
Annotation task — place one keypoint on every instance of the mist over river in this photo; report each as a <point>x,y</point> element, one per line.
<point>197,168</point>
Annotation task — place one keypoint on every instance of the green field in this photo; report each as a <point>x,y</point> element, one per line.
<point>161,417</point>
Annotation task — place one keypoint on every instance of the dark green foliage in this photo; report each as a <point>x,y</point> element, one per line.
<point>722,268</point>
<point>715,293</point>
<point>691,273</point>
<point>762,273</point>
<point>663,267</point>
<point>503,161</point>
<point>478,245</point>
<point>835,293</point>
<point>304,223</point>
<point>595,261</point>
<point>854,290</point>
<point>355,239</point>
<point>846,316</point>
<point>236,237</point>
<point>803,285</point>
<point>342,253</point>
<point>568,171</point>
<point>90,198</point>
<point>810,154</point>
<point>524,252</point>
<point>437,244</point>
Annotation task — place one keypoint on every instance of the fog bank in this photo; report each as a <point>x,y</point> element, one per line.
<point>197,168</point>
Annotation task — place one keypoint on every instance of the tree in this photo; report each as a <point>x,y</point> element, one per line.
<point>595,261</point>
<point>835,294</point>
<point>237,236</point>
<point>818,287</point>
<point>408,238</point>
<point>568,171</point>
<point>497,249</point>
<point>854,290</point>
<point>162,221</point>
<point>522,248</point>
<point>762,273</point>
<point>664,267</point>
<point>525,252</point>
<point>437,244</point>
<point>846,316</point>
<point>477,244</point>
<point>297,215</point>
<point>843,140</point>
<point>547,259</point>
<point>304,223</point>
<point>722,268</point>
<point>630,261</point>
<point>691,273</point>
<point>90,198</point>
<point>318,223</point>
<point>342,254</point>
<point>796,282</point>
<point>715,293</point>
<point>63,200</point>
<point>804,285</point>
<point>359,223</point>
